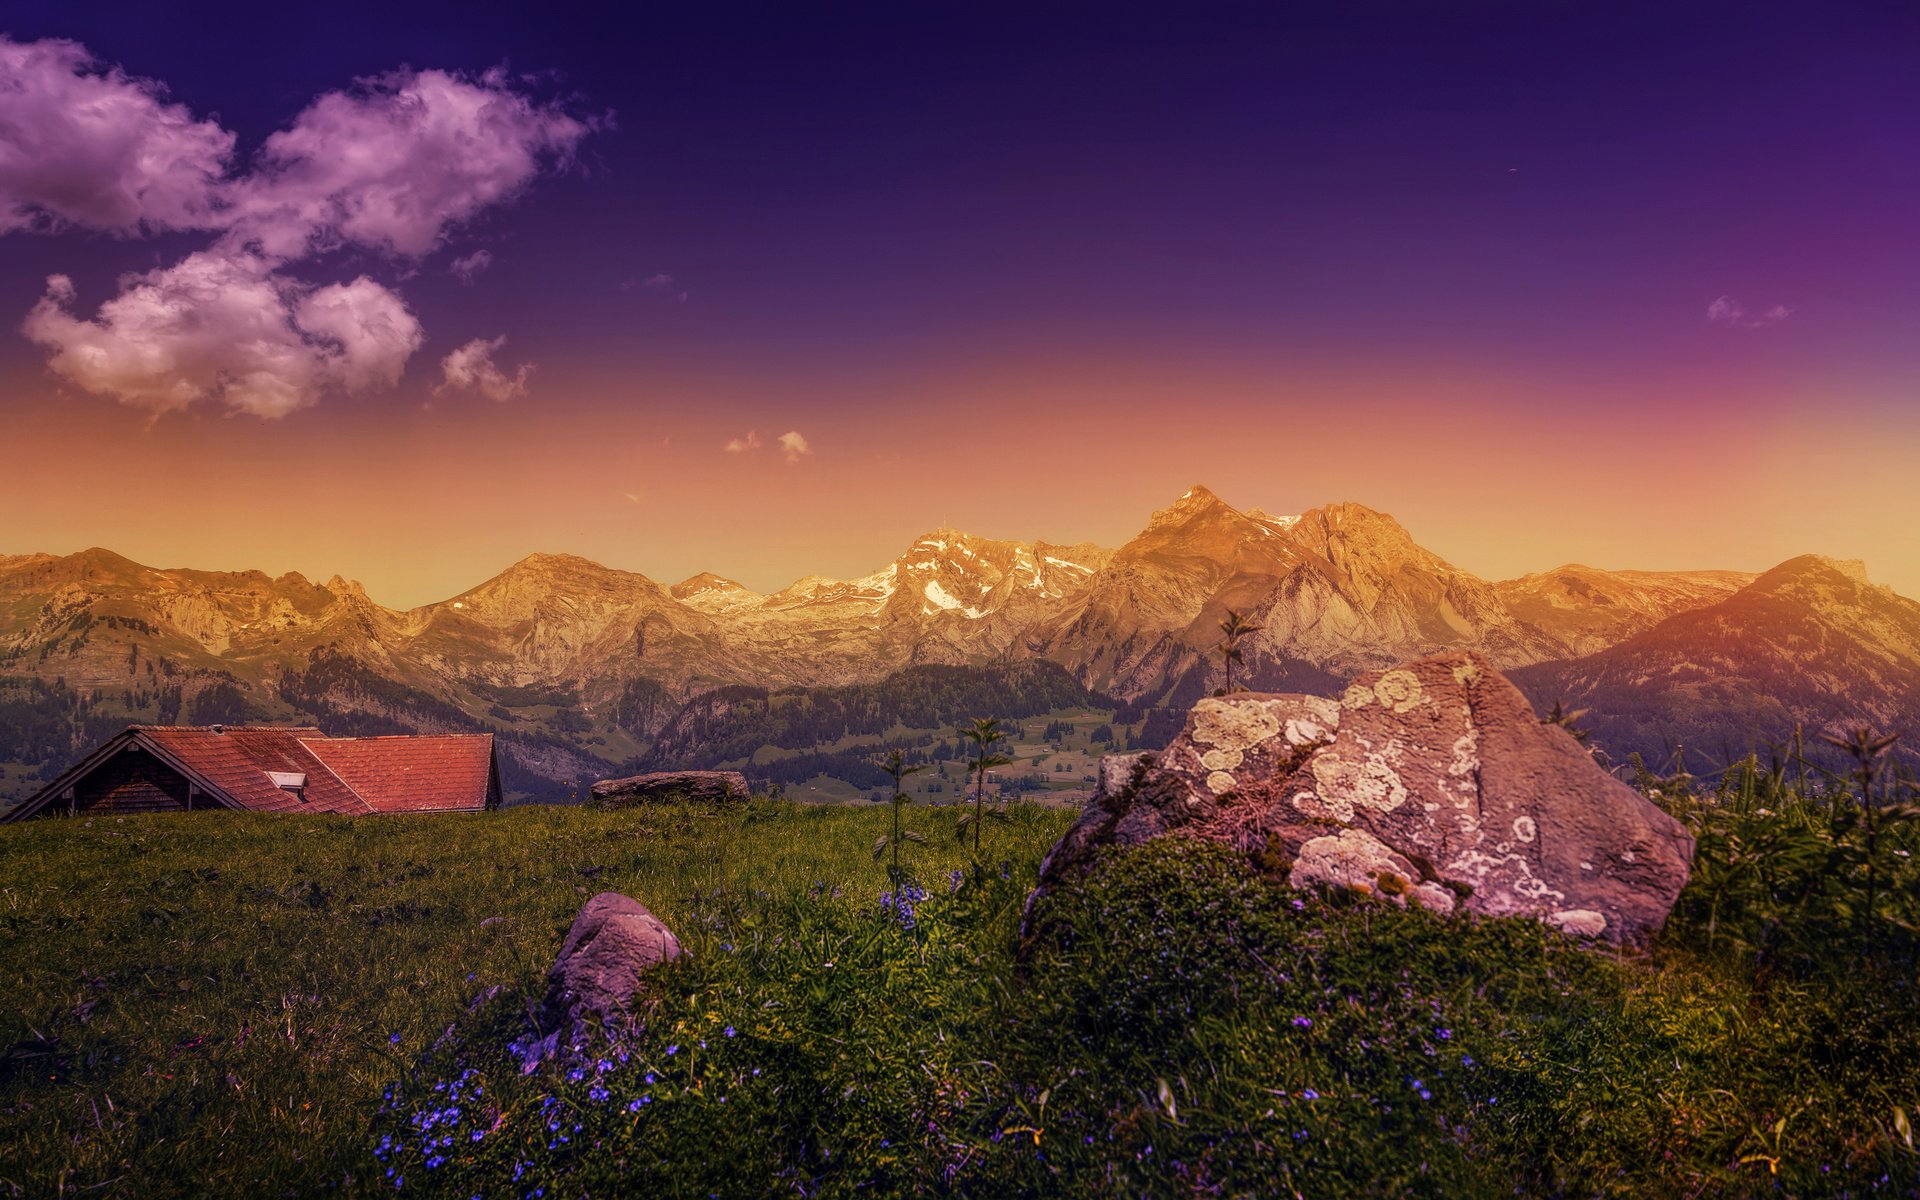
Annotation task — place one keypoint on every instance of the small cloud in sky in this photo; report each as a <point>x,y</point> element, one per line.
<point>467,266</point>
<point>471,368</point>
<point>1731,313</point>
<point>793,447</point>
<point>742,445</point>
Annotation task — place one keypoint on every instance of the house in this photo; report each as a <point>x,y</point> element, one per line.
<point>173,768</point>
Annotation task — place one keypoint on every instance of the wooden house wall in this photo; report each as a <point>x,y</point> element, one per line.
<point>132,781</point>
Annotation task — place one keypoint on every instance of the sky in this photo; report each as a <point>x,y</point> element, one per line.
<point>406,292</point>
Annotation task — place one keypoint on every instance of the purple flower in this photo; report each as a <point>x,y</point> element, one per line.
<point>1309,1094</point>
<point>1303,1022</point>
<point>731,1031</point>
<point>393,1039</point>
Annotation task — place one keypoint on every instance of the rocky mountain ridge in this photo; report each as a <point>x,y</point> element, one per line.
<point>597,660</point>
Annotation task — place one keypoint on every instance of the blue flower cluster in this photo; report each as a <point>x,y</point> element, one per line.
<point>451,1118</point>
<point>900,904</point>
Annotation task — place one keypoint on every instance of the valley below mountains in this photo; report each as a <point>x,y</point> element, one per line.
<point>582,670</point>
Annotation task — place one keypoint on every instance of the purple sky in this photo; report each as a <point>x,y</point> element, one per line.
<point>1696,222</point>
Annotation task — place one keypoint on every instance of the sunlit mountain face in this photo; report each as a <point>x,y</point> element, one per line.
<point>582,667</point>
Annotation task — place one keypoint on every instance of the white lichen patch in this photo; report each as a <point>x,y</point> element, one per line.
<point>1581,922</point>
<point>1357,695</point>
<point>1466,754</point>
<point>1524,829</point>
<point>1344,784</point>
<point>1304,732</point>
<point>1219,782</point>
<point>1466,673</point>
<point>1221,760</point>
<point>1398,691</point>
<point>1234,726</point>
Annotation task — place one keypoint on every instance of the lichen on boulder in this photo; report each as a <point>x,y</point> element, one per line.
<point>1432,784</point>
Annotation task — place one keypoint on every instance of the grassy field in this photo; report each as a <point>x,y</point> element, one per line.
<point>221,1004</point>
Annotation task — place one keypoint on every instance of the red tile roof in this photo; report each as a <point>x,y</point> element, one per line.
<point>236,761</point>
<point>350,776</point>
<point>412,774</point>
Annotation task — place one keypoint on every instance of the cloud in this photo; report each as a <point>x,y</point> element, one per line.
<point>793,447</point>
<point>397,162</point>
<point>471,368</point>
<point>658,283</point>
<point>393,165</point>
<point>467,266</point>
<point>1730,312</point>
<point>742,445</point>
<point>226,327</point>
<point>83,145</point>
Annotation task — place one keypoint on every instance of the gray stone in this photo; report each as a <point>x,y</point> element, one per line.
<point>1433,784</point>
<point>602,966</point>
<point>700,787</point>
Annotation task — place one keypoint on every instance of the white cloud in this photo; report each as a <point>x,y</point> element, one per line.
<point>467,266</point>
<point>742,445</point>
<point>397,162</point>
<point>86,145</point>
<point>392,165</point>
<point>793,446</point>
<point>471,368</point>
<point>1730,312</point>
<point>227,327</point>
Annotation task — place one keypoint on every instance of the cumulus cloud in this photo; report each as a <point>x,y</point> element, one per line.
<point>85,145</point>
<point>742,445</point>
<point>393,165</point>
<point>471,369</point>
<point>793,447</point>
<point>228,328</point>
<point>467,266</point>
<point>1730,312</point>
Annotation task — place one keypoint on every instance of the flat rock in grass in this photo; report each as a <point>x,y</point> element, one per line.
<point>1433,784</point>
<point>699,787</point>
<point>603,964</point>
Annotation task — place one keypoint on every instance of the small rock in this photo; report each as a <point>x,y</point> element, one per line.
<point>603,963</point>
<point>699,787</point>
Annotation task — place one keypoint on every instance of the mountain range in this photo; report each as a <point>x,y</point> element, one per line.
<point>580,667</point>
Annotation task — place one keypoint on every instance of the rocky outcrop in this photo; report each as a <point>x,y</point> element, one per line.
<point>700,787</point>
<point>603,964</point>
<point>1432,784</point>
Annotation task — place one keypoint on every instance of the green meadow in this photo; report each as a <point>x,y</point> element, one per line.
<point>235,1005</point>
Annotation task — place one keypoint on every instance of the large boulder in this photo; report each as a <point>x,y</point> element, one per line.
<point>1432,784</point>
<point>701,787</point>
<point>602,965</point>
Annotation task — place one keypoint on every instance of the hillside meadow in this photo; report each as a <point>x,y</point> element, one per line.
<point>225,1004</point>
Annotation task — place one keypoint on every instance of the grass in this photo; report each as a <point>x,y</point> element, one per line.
<point>218,1004</point>
<point>205,1003</point>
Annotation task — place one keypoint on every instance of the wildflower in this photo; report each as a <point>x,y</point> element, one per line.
<point>393,1039</point>
<point>1309,1094</point>
<point>672,1050</point>
<point>1443,1034</point>
<point>730,1031</point>
<point>1303,1022</point>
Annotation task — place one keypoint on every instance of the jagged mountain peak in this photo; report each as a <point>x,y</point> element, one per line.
<point>703,583</point>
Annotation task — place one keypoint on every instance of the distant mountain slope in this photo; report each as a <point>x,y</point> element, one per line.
<point>1809,643</point>
<point>1584,609</point>
<point>581,668</point>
